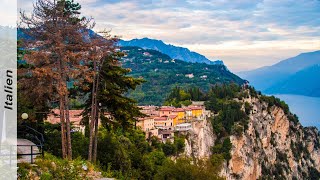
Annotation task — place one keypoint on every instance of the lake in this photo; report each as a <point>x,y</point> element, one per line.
<point>305,107</point>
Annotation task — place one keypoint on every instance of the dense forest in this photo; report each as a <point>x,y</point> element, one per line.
<point>162,74</point>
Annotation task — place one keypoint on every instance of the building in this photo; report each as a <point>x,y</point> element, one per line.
<point>204,77</point>
<point>166,134</point>
<point>197,111</point>
<point>147,54</point>
<point>167,119</point>
<point>166,111</point>
<point>183,127</point>
<point>75,119</point>
<point>163,122</point>
<point>188,112</point>
<point>174,119</point>
<point>146,123</point>
<point>149,110</point>
<point>189,75</point>
<point>180,112</point>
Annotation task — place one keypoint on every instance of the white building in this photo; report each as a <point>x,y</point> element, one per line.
<point>183,127</point>
<point>189,75</point>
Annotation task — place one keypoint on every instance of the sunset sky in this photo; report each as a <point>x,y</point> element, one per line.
<point>245,34</point>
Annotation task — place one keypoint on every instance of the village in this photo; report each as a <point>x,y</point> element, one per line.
<point>160,121</point>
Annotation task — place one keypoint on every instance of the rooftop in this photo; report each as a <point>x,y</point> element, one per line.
<point>172,116</point>
<point>179,110</point>
<point>160,118</point>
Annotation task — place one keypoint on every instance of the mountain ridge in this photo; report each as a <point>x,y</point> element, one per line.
<point>284,72</point>
<point>173,51</point>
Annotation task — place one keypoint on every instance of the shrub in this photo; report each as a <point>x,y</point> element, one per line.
<point>51,167</point>
<point>184,168</point>
<point>169,149</point>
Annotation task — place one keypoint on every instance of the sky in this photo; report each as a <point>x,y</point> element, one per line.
<point>245,34</point>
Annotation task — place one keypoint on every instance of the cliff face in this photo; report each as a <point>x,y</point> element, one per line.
<point>272,146</point>
<point>200,140</point>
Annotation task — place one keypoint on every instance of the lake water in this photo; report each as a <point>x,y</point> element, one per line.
<point>306,108</point>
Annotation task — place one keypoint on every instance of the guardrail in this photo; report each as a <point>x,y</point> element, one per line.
<point>32,154</point>
<point>10,151</point>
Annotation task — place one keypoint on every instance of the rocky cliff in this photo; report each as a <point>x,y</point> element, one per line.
<point>272,147</point>
<point>200,140</point>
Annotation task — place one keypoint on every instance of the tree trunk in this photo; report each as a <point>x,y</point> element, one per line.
<point>95,148</point>
<point>63,133</point>
<point>69,146</point>
<point>96,119</point>
<point>92,118</point>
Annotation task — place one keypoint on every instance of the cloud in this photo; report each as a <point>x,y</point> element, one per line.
<point>219,29</point>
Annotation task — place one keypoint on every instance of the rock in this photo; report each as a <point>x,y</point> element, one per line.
<point>272,144</point>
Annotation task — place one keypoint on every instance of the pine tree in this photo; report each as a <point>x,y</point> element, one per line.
<point>108,96</point>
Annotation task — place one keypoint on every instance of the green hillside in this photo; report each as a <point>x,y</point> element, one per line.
<point>163,73</point>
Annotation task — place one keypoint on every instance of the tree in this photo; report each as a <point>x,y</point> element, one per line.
<point>56,37</point>
<point>107,96</point>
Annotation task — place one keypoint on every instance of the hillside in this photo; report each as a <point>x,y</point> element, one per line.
<point>258,138</point>
<point>163,73</point>
<point>286,75</point>
<point>174,52</point>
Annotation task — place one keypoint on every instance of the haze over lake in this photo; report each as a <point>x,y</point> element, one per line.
<point>307,108</point>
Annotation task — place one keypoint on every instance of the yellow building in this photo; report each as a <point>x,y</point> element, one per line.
<point>180,112</point>
<point>174,119</point>
<point>197,112</point>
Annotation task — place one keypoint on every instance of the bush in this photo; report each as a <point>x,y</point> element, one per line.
<point>179,143</point>
<point>51,167</point>
<point>223,149</point>
<point>169,149</point>
<point>247,108</point>
<point>52,136</point>
<point>184,168</point>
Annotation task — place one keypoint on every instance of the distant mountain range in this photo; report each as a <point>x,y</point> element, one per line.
<point>174,52</point>
<point>162,73</point>
<point>297,75</point>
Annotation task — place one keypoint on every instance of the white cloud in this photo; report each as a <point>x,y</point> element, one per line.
<point>244,33</point>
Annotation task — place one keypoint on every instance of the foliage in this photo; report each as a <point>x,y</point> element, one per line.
<point>51,167</point>
<point>230,114</point>
<point>223,149</point>
<point>179,97</point>
<point>114,83</point>
<point>52,133</point>
<point>169,149</point>
<point>273,101</point>
<point>127,155</point>
<point>29,101</point>
<point>184,168</point>
<point>162,74</point>
<point>247,108</point>
<point>59,54</point>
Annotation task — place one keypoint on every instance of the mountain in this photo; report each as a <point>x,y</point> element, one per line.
<point>174,52</point>
<point>304,82</point>
<point>162,73</point>
<point>296,75</point>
